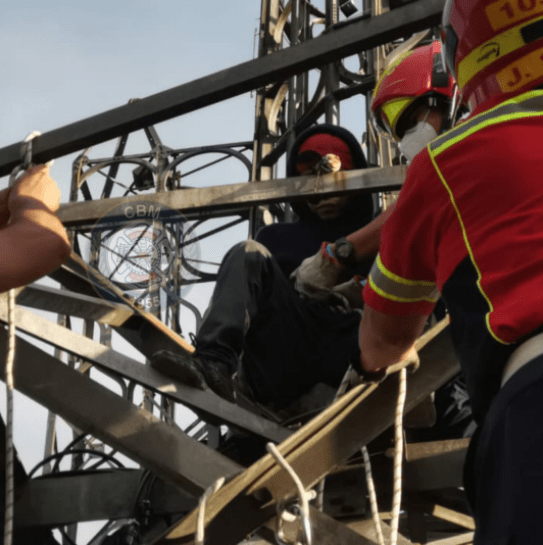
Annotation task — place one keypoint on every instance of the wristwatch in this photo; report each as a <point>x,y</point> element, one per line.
<point>345,252</point>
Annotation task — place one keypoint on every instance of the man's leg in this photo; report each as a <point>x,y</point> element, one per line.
<point>287,344</point>
<point>508,465</point>
<point>247,271</point>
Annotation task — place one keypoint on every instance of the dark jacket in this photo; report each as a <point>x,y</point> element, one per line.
<point>291,243</point>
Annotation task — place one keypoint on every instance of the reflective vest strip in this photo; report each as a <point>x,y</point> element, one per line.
<point>526,105</point>
<point>394,287</point>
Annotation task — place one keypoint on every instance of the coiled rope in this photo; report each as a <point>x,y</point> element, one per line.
<point>26,151</point>
<point>304,496</point>
<point>398,459</point>
<point>200,520</point>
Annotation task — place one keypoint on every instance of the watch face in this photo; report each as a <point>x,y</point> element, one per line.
<point>343,250</point>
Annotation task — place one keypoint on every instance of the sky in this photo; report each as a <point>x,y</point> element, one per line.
<point>64,60</point>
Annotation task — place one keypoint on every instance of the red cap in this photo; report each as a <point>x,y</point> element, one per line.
<point>323,144</point>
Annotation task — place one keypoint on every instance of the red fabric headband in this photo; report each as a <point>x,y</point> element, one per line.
<point>326,143</point>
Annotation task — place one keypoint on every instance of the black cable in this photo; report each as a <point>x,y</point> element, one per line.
<point>104,455</point>
<point>100,462</point>
<point>52,457</point>
<point>66,536</point>
<point>61,455</point>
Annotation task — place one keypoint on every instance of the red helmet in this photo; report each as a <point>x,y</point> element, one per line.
<point>418,77</point>
<point>493,47</point>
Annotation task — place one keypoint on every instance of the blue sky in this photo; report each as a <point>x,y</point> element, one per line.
<point>62,61</point>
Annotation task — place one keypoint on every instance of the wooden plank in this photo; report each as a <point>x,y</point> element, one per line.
<point>435,465</point>
<point>455,517</point>
<point>329,531</point>
<point>144,330</point>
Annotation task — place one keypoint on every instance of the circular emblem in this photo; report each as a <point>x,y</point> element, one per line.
<point>148,251</point>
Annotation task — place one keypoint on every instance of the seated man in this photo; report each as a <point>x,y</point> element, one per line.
<point>413,102</point>
<point>257,327</point>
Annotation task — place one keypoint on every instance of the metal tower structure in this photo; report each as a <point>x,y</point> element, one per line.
<point>122,208</point>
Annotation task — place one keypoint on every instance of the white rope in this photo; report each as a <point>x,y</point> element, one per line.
<point>303,496</point>
<point>26,152</point>
<point>398,460</point>
<point>373,496</point>
<point>200,521</point>
<point>398,457</point>
<point>10,358</point>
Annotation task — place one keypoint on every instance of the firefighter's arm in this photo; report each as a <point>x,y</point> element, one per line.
<point>34,242</point>
<point>323,269</point>
<point>387,339</point>
<point>367,239</point>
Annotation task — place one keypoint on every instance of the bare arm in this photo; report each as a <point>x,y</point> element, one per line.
<point>4,210</point>
<point>387,339</point>
<point>34,242</point>
<point>366,240</point>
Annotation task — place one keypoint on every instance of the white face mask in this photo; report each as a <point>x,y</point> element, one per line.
<point>416,139</point>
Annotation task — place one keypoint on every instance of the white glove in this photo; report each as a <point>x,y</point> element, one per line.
<point>352,291</point>
<point>316,273</point>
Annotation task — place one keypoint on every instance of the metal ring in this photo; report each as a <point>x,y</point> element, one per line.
<point>26,156</point>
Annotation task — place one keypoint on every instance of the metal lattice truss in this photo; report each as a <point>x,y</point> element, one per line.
<point>179,465</point>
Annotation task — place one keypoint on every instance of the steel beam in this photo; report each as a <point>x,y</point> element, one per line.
<point>243,195</point>
<point>324,443</point>
<point>435,465</point>
<point>211,407</point>
<point>61,301</point>
<point>345,40</point>
<point>91,407</point>
<point>326,530</point>
<point>93,495</point>
<point>463,539</point>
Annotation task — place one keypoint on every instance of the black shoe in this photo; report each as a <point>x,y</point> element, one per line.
<point>193,370</point>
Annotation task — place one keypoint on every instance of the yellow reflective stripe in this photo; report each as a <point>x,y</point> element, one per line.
<point>468,246</point>
<point>396,298</point>
<point>497,47</point>
<point>393,111</point>
<point>394,287</point>
<point>528,104</point>
<point>395,278</point>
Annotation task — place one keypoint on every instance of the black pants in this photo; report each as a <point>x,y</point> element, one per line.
<point>286,344</point>
<point>504,467</point>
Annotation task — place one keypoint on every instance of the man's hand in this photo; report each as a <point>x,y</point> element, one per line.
<point>352,291</point>
<point>4,209</point>
<point>317,273</point>
<point>411,362</point>
<point>34,189</point>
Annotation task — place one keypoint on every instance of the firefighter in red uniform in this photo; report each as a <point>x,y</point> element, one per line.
<point>477,238</point>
